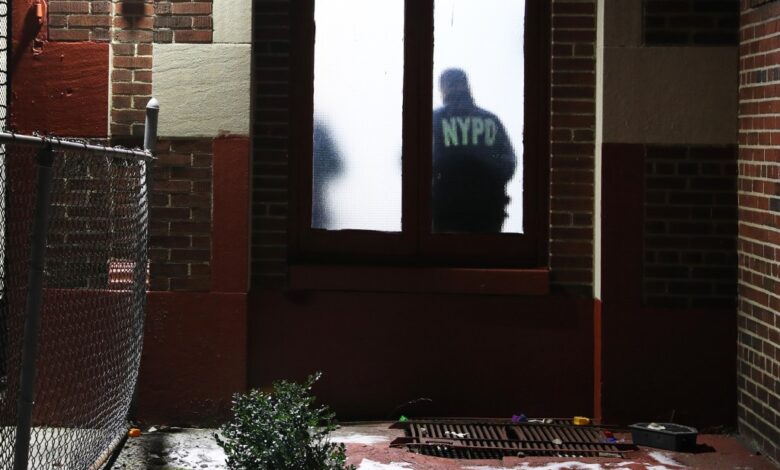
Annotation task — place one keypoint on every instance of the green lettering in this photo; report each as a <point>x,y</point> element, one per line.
<point>464,129</point>
<point>450,132</point>
<point>477,129</point>
<point>490,132</point>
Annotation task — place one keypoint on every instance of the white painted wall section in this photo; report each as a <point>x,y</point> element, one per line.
<point>203,89</point>
<point>232,21</point>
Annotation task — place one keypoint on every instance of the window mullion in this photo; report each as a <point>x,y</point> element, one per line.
<point>420,68</point>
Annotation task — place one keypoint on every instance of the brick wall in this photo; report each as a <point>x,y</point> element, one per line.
<point>187,21</point>
<point>92,20</point>
<point>572,139</point>
<point>573,122</point>
<point>690,227</point>
<point>180,228</point>
<point>180,243</point>
<point>131,72</point>
<point>84,20</point>
<point>759,237</point>
<point>270,163</point>
<point>690,22</point>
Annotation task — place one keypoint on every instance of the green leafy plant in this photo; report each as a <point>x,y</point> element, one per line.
<point>282,430</point>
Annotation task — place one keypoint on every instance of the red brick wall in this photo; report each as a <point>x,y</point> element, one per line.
<point>690,22</point>
<point>759,219</point>
<point>182,22</point>
<point>180,229</point>
<point>180,244</point>
<point>270,163</point>
<point>573,123</point>
<point>690,227</point>
<point>92,20</point>
<point>80,20</point>
<point>131,75</point>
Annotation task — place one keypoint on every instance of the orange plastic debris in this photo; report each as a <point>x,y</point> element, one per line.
<point>134,432</point>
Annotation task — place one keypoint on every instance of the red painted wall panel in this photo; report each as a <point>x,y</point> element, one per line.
<point>194,357</point>
<point>230,226</point>
<point>657,364</point>
<point>472,355</point>
<point>62,90</point>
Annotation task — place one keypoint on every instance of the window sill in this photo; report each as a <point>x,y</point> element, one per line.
<point>420,280</point>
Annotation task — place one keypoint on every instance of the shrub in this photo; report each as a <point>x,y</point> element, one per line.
<point>281,430</point>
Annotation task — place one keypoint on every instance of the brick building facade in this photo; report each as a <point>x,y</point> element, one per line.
<point>660,215</point>
<point>758,243</point>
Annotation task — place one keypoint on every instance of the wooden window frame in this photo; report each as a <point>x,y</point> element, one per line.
<point>415,245</point>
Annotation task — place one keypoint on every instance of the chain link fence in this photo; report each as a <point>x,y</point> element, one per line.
<point>5,16</point>
<point>73,280</point>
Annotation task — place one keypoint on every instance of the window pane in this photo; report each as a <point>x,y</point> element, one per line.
<point>478,116</point>
<point>358,96</point>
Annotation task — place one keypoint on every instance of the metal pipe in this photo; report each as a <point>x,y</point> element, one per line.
<point>150,141</point>
<point>56,142</point>
<point>150,125</point>
<point>32,322</point>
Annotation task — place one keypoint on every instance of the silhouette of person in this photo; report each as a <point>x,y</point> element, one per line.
<point>473,161</point>
<point>326,165</point>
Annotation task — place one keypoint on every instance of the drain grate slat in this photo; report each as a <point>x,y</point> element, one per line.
<point>489,439</point>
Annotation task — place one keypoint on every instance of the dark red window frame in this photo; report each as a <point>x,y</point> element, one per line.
<point>415,245</point>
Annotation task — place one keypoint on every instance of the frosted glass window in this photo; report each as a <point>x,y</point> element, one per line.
<point>478,132</point>
<point>358,97</point>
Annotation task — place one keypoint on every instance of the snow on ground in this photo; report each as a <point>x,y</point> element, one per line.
<point>367,464</point>
<point>548,466</point>
<point>355,438</point>
<point>173,448</point>
<point>664,459</point>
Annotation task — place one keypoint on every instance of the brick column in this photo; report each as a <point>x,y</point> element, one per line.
<point>573,123</point>
<point>270,162</point>
<point>131,75</point>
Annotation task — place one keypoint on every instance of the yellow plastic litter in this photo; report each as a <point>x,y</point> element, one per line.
<point>581,421</point>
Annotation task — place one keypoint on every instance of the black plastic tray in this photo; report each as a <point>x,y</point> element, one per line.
<point>675,437</point>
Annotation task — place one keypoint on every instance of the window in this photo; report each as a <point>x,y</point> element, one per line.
<point>420,132</point>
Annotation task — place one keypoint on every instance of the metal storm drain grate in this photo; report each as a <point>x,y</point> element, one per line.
<point>494,439</point>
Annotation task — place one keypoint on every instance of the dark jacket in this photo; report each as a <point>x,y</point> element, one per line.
<point>326,165</point>
<point>473,160</point>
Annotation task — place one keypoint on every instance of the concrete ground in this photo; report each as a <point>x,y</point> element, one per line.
<point>368,449</point>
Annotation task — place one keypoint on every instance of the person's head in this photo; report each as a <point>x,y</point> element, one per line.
<point>454,85</point>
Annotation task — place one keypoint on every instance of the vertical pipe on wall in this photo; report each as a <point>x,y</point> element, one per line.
<point>34,301</point>
<point>150,125</point>
<point>150,142</point>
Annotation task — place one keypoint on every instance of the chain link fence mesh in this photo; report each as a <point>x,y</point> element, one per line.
<point>94,285</point>
<point>5,16</point>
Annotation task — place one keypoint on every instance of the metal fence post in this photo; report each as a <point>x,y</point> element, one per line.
<point>150,125</point>
<point>34,301</point>
<point>150,141</point>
